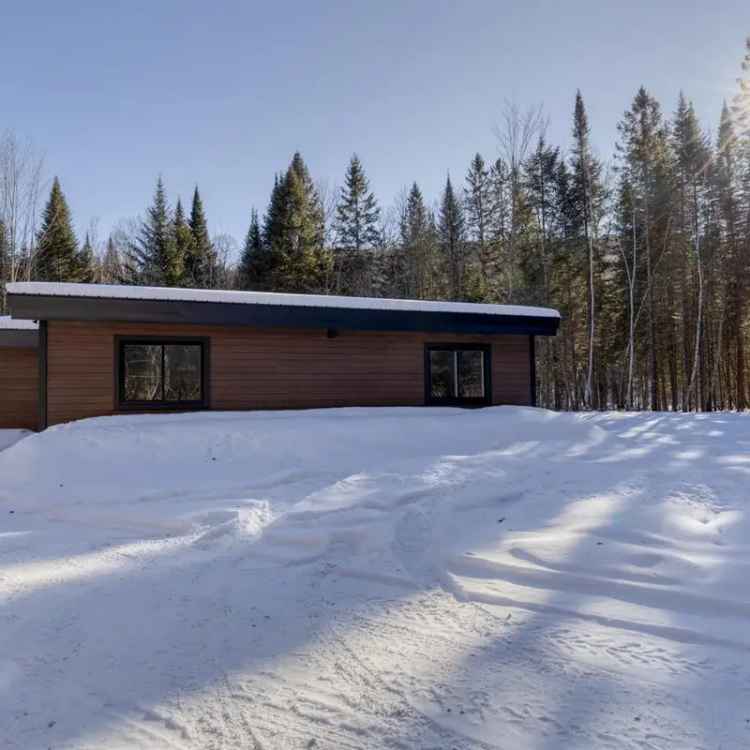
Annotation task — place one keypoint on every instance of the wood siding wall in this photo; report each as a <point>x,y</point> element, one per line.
<point>273,368</point>
<point>19,388</point>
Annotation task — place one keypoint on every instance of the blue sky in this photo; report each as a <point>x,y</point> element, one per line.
<point>221,94</point>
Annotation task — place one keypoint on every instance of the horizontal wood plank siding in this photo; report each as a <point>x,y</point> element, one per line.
<point>273,368</point>
<point>19,388</point>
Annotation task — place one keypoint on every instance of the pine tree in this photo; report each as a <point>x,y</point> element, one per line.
<point>153,256</point>
<point>253,270</point>
<point>451,235</point>
<point>57,248</point>
<point>200,262</point>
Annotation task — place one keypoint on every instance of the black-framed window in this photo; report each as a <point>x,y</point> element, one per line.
<point>457,374</point>
<point>161,373</point>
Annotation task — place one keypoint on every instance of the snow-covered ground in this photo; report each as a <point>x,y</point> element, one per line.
<point>377,578</point>
<point>8,437</point>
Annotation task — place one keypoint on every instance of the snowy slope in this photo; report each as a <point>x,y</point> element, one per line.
<point>377,578</point>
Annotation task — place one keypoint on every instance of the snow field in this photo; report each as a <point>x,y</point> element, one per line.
<point>369,578</point>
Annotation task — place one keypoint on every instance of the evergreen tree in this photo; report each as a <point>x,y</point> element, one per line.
<point>741,104</point>
<point>253,270</point>
<point>357,212</point>
<point>111,267</point>
<point>184,243</point>
<point>86,262</point>
<point>415,260</point>
<point>588,197</point>
<point>356,229</point>
<point>451,235</point>
<point>480,212</point>
<point>153,256</point>
<point>57,256</point>
<point>200,262</point>
<point>295,231</point>
<point>727,184</point>
<point>691,160</point>
<point>540,185</point>
<point>645,170</point>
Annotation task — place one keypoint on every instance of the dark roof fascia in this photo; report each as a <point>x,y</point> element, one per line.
<point>19,339</point>
<point>54,307</point>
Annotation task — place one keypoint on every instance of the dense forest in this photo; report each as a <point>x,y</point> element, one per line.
<point>647,256</point>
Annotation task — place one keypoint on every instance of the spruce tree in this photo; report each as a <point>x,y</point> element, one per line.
<point>357,213</point>
<point>153,257</point>
<point>415,258</point>
<point>86,262</point>
<point>253,269</point>
<point>356,229</point>
<point>294,233</point>
<point>200,262</point>
<point>57,248</point>
<point>451,234</point>
<point>184,242</point>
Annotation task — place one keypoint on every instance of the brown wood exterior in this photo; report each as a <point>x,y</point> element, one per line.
<point>19,388</point>
<point>251,368</point>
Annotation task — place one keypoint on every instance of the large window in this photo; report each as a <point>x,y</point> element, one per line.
<point>457,374</point>
<point>161,373</point>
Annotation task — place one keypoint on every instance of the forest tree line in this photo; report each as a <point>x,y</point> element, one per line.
<point>646,257</point>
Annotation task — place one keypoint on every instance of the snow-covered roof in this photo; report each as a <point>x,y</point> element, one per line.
<point>10,324</point>
<point>106,291</point>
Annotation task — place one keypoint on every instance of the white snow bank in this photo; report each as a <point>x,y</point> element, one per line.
<point>107,291</point>
<point>11,324</point>
<point>371,578</point>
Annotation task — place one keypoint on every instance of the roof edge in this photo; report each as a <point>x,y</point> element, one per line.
<point>281,299</point>
<point>55,307</point>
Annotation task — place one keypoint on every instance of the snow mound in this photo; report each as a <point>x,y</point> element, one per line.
<point>507,577</point>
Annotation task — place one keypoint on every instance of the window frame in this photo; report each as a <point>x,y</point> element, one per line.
<point>121,404</point>
<point>486,350</point>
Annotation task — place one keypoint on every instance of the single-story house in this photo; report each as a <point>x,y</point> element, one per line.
<point>112,349</point>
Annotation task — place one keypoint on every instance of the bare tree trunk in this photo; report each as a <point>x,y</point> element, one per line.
<point>699,316</point>
<point>631,315</point>
<point>654,384</point>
